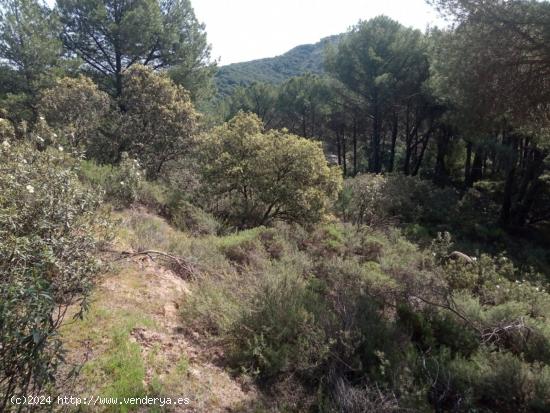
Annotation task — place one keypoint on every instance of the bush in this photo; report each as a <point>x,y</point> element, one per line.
<point>383,199</point>
<point>478,214</point>
<point>121,183</point>
<point>353,399</point>
<point>154,196</point>
<point>159,121</point>
<point>75,107</point>
<point>255,178</point>
<point>47,228</point>
<point>279,333</point>
<point>367,320</point>
<point>498,381</point>
<point>7,131</point>
<point>189,218</point>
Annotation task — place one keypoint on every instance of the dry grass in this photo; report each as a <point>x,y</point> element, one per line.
<point>132,341</point>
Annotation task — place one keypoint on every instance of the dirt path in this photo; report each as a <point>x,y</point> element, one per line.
<point>144,297</point>
<point>168,290</point>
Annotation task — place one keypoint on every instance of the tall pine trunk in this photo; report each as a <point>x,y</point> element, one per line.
<point>440,172</point>
<point>354,147</point>
<point>375,158</point>
<point>395,128</point>
<point>507,198</point>
<point>529,188</point>
<point>468,165</point>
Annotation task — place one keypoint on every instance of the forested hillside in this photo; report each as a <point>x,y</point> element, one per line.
<point>369,236</point>
<point>307,58</point>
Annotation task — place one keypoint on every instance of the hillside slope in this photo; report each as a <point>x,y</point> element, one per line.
<point>132,342</point>
<point>299,60</point>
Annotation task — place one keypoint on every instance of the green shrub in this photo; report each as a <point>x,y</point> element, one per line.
<point>159,122</point>
<point>253,177</point>
<point>477,214</point>
<point>274,243</point>
<point>433,329</point>
<point>244,248</point>
<point>154,196</point>
<point>75,107</point>
<point>7,131</point>
<point>120,183</point>
<point>367,308</point>
<point>213,308</point>
<point>122,186</point>
<point>94,174</point>
<point>189,218</point>
<point>499,381</point>
<point>49,230</point>
<point>279,333</point>
<point>383,199</point>
<point>144,232</point>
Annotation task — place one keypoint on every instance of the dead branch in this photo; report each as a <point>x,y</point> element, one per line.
<point>187,268</point>
<point>499,333</point>
<point>460,256</point>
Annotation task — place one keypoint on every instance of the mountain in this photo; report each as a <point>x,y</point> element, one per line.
<point>297,61</point>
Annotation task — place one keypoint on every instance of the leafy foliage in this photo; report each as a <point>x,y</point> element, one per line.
<point>28,40</point>
<point>375,200</point>
<point>48,230</point>
<point>372,320</point>
<point>75,108</point>
<point>158,122</point>
<point>257,177</point>
<point>112,36</point>
<point>377,308</point>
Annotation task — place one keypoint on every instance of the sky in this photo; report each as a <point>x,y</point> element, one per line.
<point>241,30</point>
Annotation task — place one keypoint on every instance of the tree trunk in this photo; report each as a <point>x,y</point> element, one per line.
<point>354,147</point>
<point>440,172</point>
<point>395,127</point>
<point>339,148</point>
<point>422,152</point>
<point>468,165</point>
<point>530,188</point>
<point>344,161</point>
<point>406,165</point>
<point>476,173</point>
<point>118,71</point>
<point>507,198</point>
<point>375,165</point>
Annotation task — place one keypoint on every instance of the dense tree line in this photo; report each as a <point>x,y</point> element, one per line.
<point>458,106</point>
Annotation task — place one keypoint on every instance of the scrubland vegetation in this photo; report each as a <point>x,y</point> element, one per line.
<point>159,240</point>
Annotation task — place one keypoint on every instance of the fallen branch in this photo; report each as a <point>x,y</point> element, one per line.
<point>449,305</point>
<point>460,256</point>
<point>499,333</point>
<point>188,268</point>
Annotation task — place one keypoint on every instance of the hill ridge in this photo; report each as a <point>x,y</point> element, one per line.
<point>304,58</point>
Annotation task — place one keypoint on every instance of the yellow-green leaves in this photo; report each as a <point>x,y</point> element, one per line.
<point>158,120</point>
<point>75,107</point>
<point>259,176</point>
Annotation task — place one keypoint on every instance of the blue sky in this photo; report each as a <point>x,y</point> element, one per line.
<point>241,30</point>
